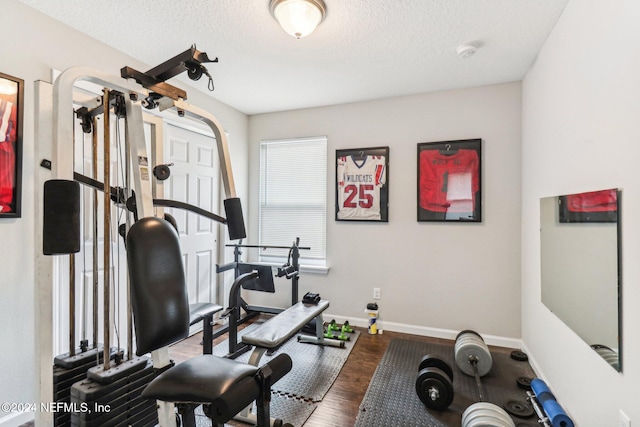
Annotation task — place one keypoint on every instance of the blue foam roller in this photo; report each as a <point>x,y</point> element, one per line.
<point>541,389</point>
<point>556,414</point>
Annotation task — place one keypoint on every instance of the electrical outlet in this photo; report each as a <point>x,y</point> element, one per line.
<point>624,420</point>
<point>376,293</point>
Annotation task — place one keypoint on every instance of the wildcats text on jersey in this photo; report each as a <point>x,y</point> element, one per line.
<point>359,183</point>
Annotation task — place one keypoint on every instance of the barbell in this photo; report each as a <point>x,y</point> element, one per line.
<point>434,384</point>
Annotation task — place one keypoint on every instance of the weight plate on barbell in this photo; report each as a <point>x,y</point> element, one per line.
<point>469,346</point>
<point>467,331</point>
<point>489,421</point>
<point>431,361</point>
<point>485,414</point>
<point>483,410</point>
<point>434,388</point>
<point>524,383</point>
<point>518,408</point>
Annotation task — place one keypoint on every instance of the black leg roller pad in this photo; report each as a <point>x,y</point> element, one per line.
<point>235,220</point>
<point>223,386</point>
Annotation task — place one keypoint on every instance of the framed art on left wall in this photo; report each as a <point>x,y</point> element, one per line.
<point>11,108</point>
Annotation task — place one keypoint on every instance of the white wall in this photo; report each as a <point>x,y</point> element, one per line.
<point>581,129</point>
<point>432,276</point>
<point>36,44</point>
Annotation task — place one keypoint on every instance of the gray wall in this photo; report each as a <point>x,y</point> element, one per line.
<point>580,132</point>
<point>36,44</point>
<point>433,276</point>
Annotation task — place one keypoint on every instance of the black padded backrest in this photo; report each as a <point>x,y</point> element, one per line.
<point>264,281</point>
<point>61,231</point>
<point>159,298</point>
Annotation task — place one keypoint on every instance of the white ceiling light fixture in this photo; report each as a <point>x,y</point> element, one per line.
<point>298,17</point>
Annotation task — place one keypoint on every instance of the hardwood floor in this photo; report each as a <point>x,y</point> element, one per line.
<point>339,407</point>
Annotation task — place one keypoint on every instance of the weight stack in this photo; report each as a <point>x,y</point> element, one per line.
<point>68,370</point>
<point>118,403</point>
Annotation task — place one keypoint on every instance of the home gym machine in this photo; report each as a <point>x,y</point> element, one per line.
<point>158,297</point>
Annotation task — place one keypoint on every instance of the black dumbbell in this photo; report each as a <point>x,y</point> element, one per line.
<point>434,384</point>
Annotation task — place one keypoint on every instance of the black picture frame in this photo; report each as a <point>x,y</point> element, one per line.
<point>11,123</point>
<point>449,181</point>
<point>591,206</point>
<point>362,184</point>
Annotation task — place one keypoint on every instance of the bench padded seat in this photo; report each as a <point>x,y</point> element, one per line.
<point>201,379</point>
<point>200,310</point>
<point>278,329</point>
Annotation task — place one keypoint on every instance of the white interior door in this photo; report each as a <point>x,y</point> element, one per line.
<point>195,179</point>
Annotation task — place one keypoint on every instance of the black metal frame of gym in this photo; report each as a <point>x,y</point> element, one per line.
<point>290,270</point>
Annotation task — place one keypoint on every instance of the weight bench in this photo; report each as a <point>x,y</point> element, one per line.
<point>160,307</point>
<point>278,329</point>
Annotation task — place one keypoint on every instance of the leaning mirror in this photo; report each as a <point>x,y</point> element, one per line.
<point>580,260</point>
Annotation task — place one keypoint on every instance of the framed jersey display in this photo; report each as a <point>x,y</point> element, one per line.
<point>449,181</point>
<point>11,99</point>
<point>592,206</point>
<point>362,184</point>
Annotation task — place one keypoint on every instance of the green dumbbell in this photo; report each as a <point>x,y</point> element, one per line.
<point>347,328</point>
<point>333,326</point>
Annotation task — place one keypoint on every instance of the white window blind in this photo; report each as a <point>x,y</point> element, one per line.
<point>293,197</point>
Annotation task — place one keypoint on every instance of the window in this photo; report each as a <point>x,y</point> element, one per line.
<point>293,198</point>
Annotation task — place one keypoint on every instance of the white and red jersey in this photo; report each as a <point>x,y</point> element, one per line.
<point>8,122</point>
<point>449,182</point>
<point>359,183</point>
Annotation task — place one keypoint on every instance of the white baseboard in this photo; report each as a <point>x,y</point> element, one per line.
<point>16,419</point>
<point>425,331</point>
<point>534,364</point>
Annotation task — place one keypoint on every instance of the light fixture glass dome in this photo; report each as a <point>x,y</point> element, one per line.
<point>298,17</point>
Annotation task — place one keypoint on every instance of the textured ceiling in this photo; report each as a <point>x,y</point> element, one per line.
<point>364,49</point>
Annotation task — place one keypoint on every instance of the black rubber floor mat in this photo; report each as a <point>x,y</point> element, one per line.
<point>315,367</point>
<point>391,398</point>
<point>290,410</point>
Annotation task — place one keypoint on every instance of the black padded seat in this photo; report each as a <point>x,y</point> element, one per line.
<point>201,379</point>
<point>200,310</point>
<point>278,329</point>
<point>203,312</point>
